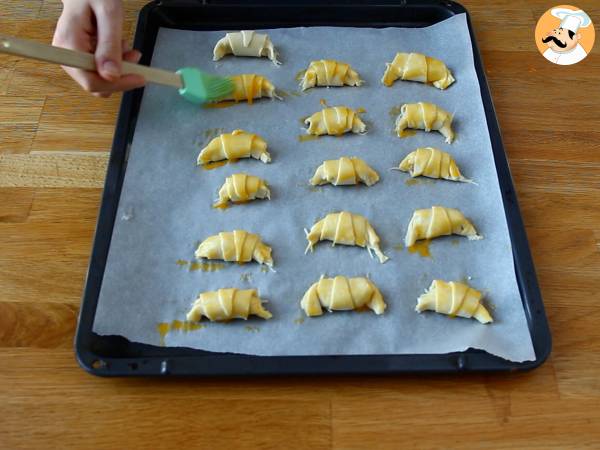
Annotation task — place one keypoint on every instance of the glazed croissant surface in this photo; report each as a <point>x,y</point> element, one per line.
<point>417,67</point>
<point>245,43</point>
<point>347,229</point>
<point>227,304</point>
<point>433,163</point>
<point>425,116</point>
<point>342,294</point>
<point>454,299</point>
<point>241,187</point>
<point>344,171</point>
<point>327,72</point>
<point>335,121</point>
<point>438,221</point>
<point>235,145</point>
<point>250,86</point>
<point>238,246</point>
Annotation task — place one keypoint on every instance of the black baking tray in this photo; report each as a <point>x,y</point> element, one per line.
<point>116,356</point>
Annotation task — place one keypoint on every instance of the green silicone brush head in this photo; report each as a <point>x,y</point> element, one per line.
<point>200,87</point>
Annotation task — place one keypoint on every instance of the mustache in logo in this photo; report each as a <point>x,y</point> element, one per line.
<point>555,40</point>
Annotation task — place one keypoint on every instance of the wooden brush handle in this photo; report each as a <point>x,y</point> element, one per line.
<point>81,60</point>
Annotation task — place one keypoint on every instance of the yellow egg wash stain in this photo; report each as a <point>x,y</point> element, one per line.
<point>206,266</point>
<point>252,329</point>
<point>394,111</point>
<point>412,181</point>
<point>212,133</point>
<point>323,102</point>
<point>399,247</point>
<point>246,277</point>
<point>300,75</point>
<point>283,93</point>
<point>225,104</point>
<point>361,110</point>
<point>307,137</point>
<point>222,206</point>
<point>408,133</point>
<point>165,328</point>
<point>182,262</point>
<point>421,247</point>
<point>299,321</point>
<point>455,242</point>
<point>264,269</point>
<point>315,189</point>
<point>302,119</point>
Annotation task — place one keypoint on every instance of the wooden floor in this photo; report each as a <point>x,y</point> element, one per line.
<point>54,143</point>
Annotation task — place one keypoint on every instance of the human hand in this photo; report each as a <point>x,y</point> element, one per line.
<point>95,26</point>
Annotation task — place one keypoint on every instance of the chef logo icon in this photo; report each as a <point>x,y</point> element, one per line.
<point>564,35</point>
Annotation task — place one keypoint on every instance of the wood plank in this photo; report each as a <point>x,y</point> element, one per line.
<point>15,204</point>
<point>19,118</point>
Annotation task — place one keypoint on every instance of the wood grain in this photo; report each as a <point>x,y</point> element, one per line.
<point>53,154</point>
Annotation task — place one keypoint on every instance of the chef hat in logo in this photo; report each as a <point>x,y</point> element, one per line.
<point>571,20</point>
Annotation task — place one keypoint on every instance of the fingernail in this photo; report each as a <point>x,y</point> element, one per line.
<point>110,68</point>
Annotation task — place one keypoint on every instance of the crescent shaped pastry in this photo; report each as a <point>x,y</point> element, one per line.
<point>344,171</point>
<point>417,67</point>
<point>245,43</point>
<point>347,229</point>
<point>250,86</point>
<point>235,145</point>
<point>240,187</point>
<point>433,163</point>
<point>342,294</point>
<point>227,304</point>
<point>438,221</point>
<point>425,116</point>
<point>453,299</point>
<point>335,122</point>
<point>327,72</point>
<point>238,245</point>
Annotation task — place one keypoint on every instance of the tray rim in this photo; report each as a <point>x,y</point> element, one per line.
<point>147,360</point>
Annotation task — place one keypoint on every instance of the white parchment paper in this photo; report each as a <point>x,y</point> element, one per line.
<point>165,207</point>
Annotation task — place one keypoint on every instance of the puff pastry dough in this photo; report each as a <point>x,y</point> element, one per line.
<point>425,116</point>
<point>417,67</point>
<point>347,229</point>
<point>250,86</point>
<point>453,299</point>
<point>235,145</point>
<point>344,171</point>
<point>241,187</point>
<point>238,245</point>
<point>335,121</point>
<point>433,163</point>
<point>227,304</point>
<point>327,72</point>
<point>438,221</point>
<point>245,43</point>
<point>342,294</point>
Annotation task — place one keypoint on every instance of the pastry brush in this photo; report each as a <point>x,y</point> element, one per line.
<point>192,84</point>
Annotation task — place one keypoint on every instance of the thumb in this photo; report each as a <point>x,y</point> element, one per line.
<point>109,23</point>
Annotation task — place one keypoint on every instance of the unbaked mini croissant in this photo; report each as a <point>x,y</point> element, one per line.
<point>453,299</point>
<point>245,43</point>
<point>342,294</point>
<point>433,163</point>
<point>438,221</point>
<point>227,304</point>
<point>425,116</point>
<point>335,122</point>
<point>240,187</point>
<point>238,245</point>
<point>235,145</point>
<point>347,229</point>
<point>344,171</point>
<point>417,67</point>
<point>250,86</point>
<point>327,72</point>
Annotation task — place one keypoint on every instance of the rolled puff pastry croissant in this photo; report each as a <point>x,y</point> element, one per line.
<point>453,299</point>
<point>335,121</point>
<point>250,86</point>
<point>438,221</point>
<point>433,163</point>
<point>347,229</point>
<point>235,145</point>
<point>241,187</point>
<point>245,43</point>
<point>344,171</point>
<point>425,116</point>
<point>328,72</point>
<point>227,304</point>
<point>417,67</point>
<point>342,294</point>
<point>238,245</point>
